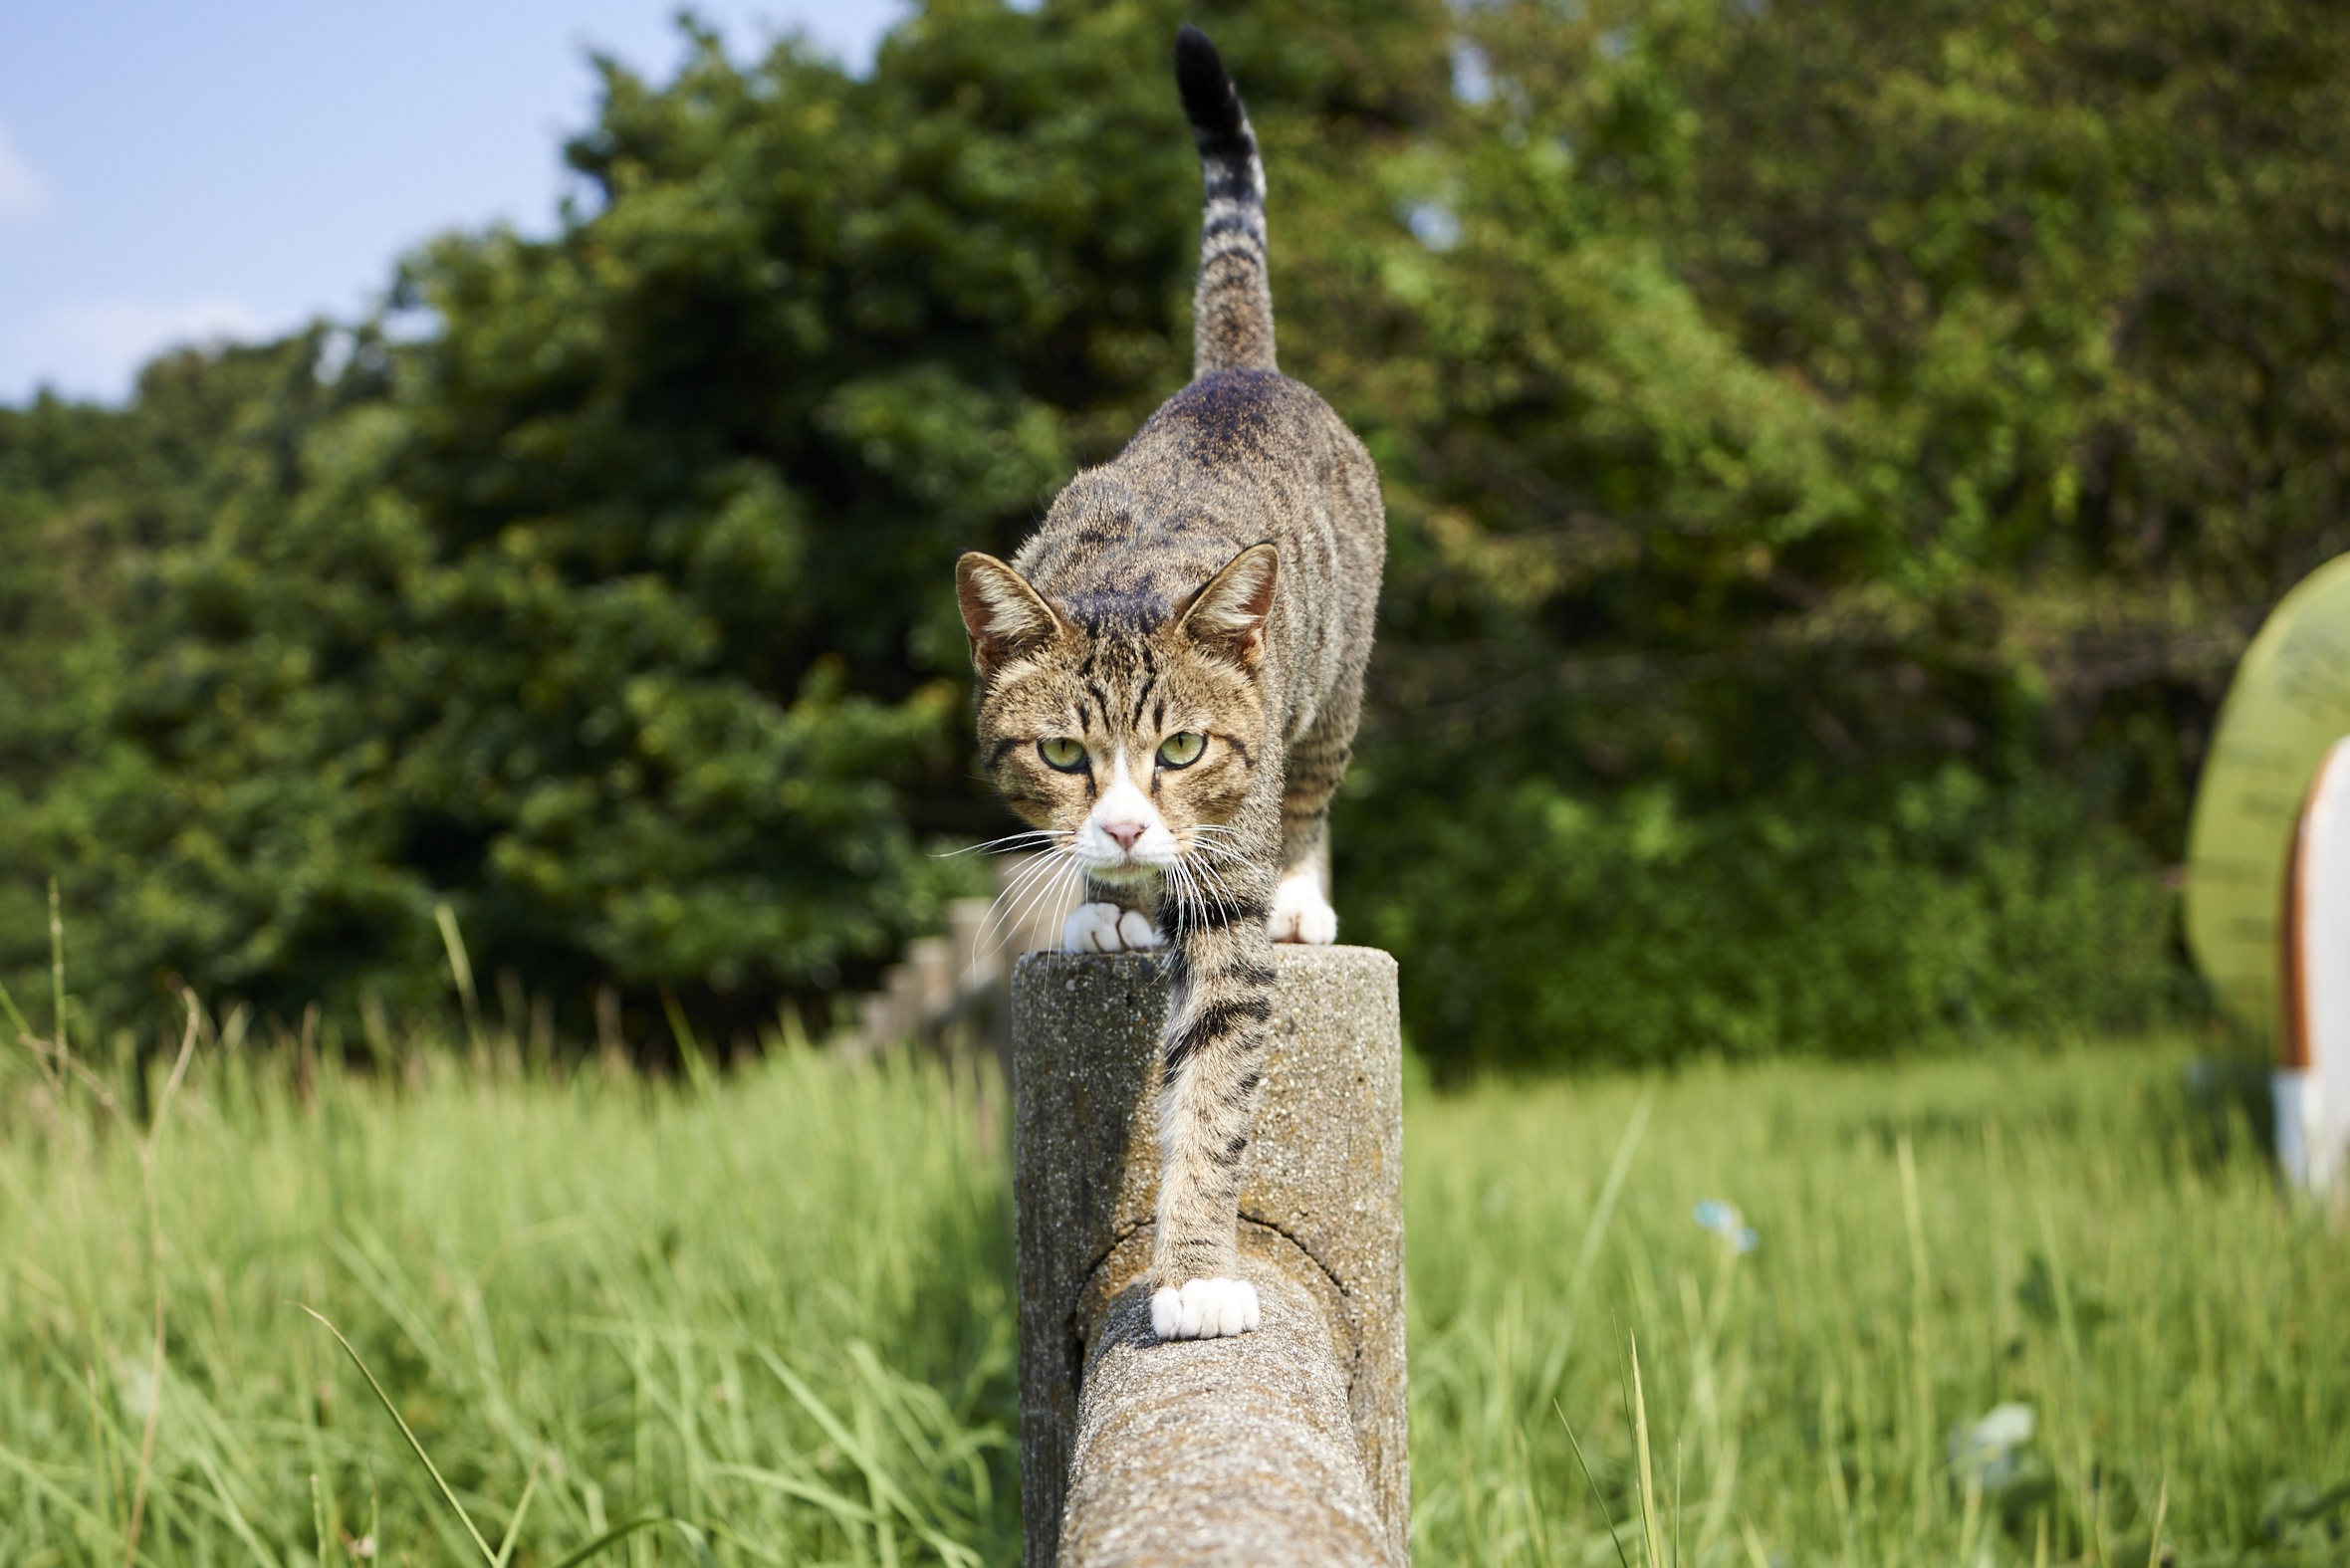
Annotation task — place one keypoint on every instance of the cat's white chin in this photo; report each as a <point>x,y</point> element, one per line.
<point>1107,927</point>
<point>1205,1310</point>
<point>1302,914</point>
<point>1128,872</point>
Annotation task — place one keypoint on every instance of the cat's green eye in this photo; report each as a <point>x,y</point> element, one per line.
<point>1062,753</point>
<point>1181,751</point>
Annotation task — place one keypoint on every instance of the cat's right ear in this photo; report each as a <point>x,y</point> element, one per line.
<point>1228,615</point>
<point>1004,616</point>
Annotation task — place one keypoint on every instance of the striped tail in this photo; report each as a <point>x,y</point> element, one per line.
<point>1233,310</point>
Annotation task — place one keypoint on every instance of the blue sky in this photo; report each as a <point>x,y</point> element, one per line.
<point>175,172</point>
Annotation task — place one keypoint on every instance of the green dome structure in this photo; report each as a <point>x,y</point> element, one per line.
<point>2287,704</point>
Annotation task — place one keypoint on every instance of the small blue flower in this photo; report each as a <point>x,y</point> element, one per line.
<point>1726,1221</point>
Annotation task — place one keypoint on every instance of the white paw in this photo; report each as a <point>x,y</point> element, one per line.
<point>1205,1310</point>
<point>1106,928</point>
<point>1302,914</point>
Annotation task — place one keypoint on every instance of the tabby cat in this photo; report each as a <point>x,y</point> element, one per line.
<point>1169,676</point>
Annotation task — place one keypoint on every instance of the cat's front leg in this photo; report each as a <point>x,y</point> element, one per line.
<point>1113,919</point>
<point>1216,1041</point>
<point>1108,928</point>
<point>1205,1310</point>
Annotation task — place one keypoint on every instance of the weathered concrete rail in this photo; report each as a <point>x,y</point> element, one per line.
<point>1284,1445</point>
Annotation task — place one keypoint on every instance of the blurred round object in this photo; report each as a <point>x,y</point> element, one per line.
<point>2287,705</point>
<point>2313,1071</point>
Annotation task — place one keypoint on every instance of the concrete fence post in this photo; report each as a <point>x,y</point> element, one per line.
<point>1284,1445</point>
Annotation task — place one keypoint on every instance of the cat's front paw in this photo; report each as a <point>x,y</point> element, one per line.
<point>1302,914</point>
<point>1205,1310</point>
<point>1107,927</point>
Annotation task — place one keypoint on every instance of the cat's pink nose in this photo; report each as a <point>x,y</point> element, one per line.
<point>1125,832</point>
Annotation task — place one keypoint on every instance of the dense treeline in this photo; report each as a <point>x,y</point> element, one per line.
<point>1834,453</point>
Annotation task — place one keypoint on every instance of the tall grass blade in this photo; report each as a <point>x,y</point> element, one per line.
<point>1611,1191</point>
<point>522,1507</point>
<point>24,1030</point>
<point>620,1532</point>
<point>231,1512</point>
<point>689,1050</point>
<point>401,1421</point>
<point>1680,1490</point>
<point>56,979</point>
<point>1651,1529</point>
<point>880,1481</point>
<point>1922,1424</point>
<point>1614,1540</point>
<point>147,1176</point>
<point>50,1492</point>
<point>843,1509</point>
<point>460,969</point>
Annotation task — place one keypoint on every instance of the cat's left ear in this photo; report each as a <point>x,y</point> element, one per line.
<point>1228,615</point>
<point>1004,616</point>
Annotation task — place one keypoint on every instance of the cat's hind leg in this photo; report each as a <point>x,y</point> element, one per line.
<point>1302,909</point>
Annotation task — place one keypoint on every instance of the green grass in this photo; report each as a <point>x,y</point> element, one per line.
<point>777,1309</point>
<point>2059,1229</point>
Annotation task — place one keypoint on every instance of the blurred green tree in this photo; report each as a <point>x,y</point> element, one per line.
<point>1833,452</point>
<point>604,597</point>
<point>1841,448</point>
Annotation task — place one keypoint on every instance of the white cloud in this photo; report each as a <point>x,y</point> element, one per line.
<point>96,349</point>
<point>23,192</point>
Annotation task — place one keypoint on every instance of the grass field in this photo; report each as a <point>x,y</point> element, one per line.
<point>777,1307</point>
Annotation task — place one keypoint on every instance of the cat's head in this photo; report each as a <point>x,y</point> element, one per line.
<point>1133,737</point>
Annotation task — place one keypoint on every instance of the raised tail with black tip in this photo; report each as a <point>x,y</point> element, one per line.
<point>1233,310</point>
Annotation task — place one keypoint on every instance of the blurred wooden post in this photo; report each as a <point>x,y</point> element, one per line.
<point>964,978</point>
<point>1284,1445</point>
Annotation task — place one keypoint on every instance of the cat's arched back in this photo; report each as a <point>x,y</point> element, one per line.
<point>1170,672</point>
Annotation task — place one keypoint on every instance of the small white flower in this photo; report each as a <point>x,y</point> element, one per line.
<point>135,1387</point>
<point>1990,1449</point>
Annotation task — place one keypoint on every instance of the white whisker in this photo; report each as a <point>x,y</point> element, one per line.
<point>996,928</point>
<point>1187,887</point>
<point>1039,891</point>
<point>1212,879</point>
<point>1004,844</point>
<point>1034,900</point>
<point>1049,874</point>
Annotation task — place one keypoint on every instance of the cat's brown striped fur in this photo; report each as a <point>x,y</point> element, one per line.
<point>1215,582</point>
